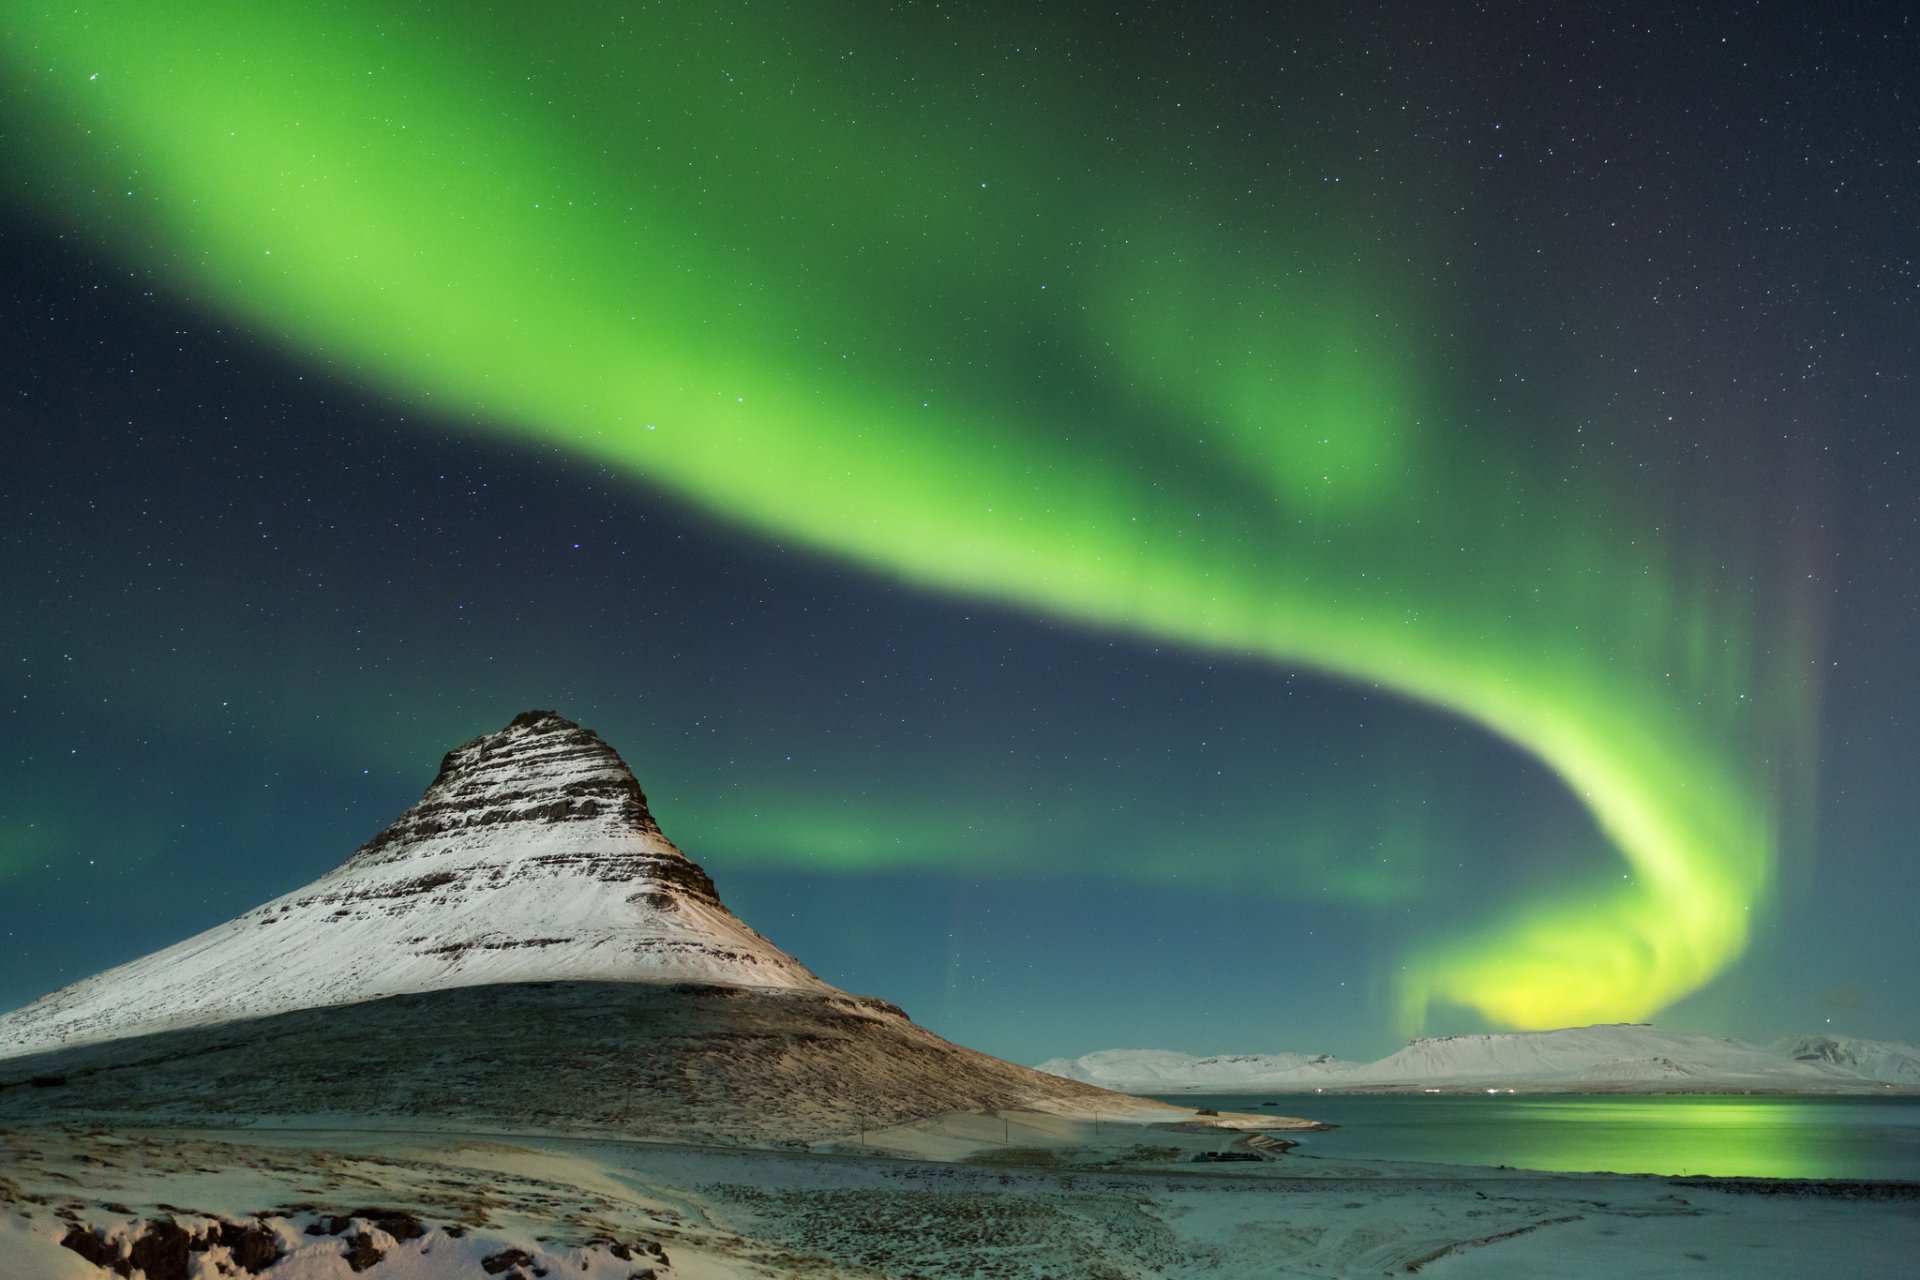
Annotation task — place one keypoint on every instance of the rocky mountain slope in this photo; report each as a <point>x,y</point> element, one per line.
<point>531,857</point>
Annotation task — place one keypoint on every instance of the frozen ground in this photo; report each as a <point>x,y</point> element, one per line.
<point>1045,1196</point>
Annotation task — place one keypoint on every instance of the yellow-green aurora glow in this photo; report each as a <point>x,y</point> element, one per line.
<point>852,295</point>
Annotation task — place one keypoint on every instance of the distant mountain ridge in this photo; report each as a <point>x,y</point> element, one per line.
<point>1611,1058</point>
<point>1148,1070</point>
<point>1893,1063</point>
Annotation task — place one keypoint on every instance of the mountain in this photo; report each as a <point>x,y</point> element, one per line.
<point>1615,1058</point>
<point>531,857</point>
<point>520,949</point>
<point>1876,1060</point>
<point>1167,1071</point>
<point>1601,1057</point>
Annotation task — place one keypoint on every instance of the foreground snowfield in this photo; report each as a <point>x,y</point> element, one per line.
<point>1045,1196</point>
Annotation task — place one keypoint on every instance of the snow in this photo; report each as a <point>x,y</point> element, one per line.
<point>531,858</point>
<point>1600,1058</point>
<point>1876,1060</point>
<point>30,1250</point>
<point>493,1201</point>
<point>1615,1053</point>
<point>1101,1209</point>
<point>1712,1235</point>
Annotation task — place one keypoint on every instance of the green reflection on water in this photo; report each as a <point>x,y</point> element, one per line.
<point>1763,1136</point>
<point>1751,1137</point>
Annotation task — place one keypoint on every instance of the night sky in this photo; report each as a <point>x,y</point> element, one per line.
<point>1170,528</point>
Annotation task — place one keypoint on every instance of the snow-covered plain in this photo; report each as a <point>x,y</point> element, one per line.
<point>1613,1058</point>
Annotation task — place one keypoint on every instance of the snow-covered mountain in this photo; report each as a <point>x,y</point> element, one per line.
<point>1167,1071</point>
<point>1622,1057</point>
<point>1876,1060</point>
<point>531,857</point>
<point>1602,1056</point>
<point>520,949</point>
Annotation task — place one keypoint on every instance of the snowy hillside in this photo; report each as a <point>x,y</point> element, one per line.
<point>1166,1071</point>
<point>531,857</point>
<point>1876,1060</point>
<point>1615,1054</point>
<point>1601,1058</point>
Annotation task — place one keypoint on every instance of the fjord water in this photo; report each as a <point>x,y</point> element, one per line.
<point>1762,1136</point>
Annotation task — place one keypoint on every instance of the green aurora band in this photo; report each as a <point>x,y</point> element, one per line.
<point>861,294</point>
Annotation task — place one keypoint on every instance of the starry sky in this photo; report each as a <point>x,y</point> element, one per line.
<point>1183,527</point>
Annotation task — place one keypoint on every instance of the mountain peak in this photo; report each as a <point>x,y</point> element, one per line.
<point>531,857</point>
<point>543,779</point>
<point>541,768</point>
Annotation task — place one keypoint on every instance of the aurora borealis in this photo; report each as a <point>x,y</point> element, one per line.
<point>1210,339</point>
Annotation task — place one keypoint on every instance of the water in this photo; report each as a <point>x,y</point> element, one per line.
<point>1764,1137</point>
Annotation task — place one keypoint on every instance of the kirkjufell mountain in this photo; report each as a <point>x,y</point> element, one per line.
<point>531,857</point>
<point>522,947</point>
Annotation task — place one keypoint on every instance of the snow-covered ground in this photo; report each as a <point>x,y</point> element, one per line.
<point>1123,1202</point>
<point>1620,1057</point>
